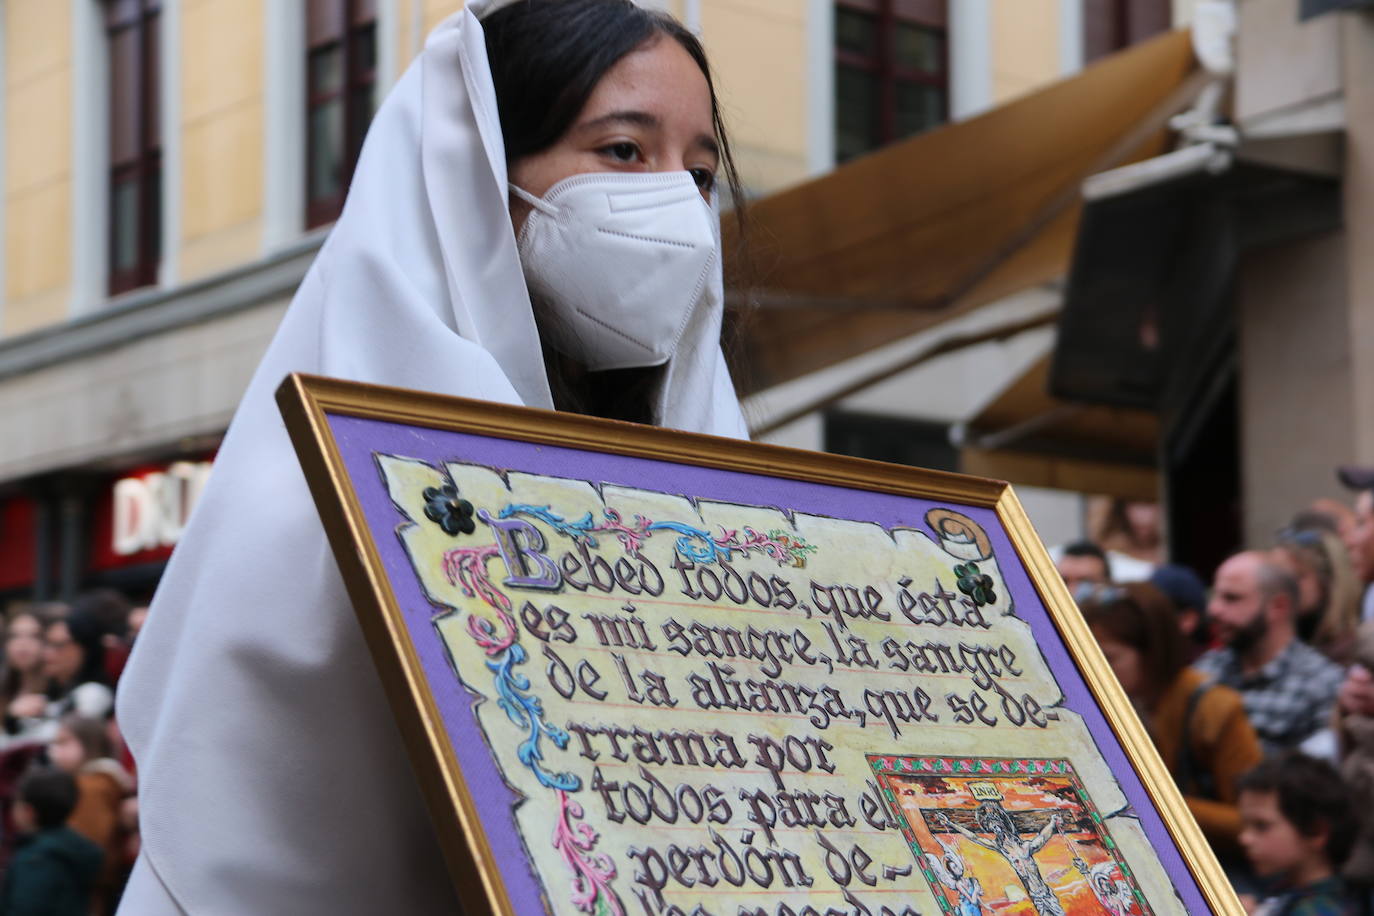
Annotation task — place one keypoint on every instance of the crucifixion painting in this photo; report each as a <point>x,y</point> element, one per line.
<point>1019,837</point>
<point>999,834</point>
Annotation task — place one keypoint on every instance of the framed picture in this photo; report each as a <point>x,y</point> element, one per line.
<point>643,672</point>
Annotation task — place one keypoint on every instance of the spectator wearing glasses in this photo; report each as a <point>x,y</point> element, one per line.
<point>1288,687</point>
<point>1083,562</point>
<point>1200,728</point>
<point>74,660</point>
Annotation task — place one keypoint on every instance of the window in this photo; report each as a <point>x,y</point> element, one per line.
<point>135,143</point>
<point>340,98</point>
<point>1110,25</point>
<point>891,71</point>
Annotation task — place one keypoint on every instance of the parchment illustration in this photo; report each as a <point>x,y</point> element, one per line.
<point>714,709</point>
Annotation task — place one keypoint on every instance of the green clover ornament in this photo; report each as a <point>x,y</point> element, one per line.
<point>975,584</point>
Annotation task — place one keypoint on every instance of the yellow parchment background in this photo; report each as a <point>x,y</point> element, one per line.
<point>847,553</point>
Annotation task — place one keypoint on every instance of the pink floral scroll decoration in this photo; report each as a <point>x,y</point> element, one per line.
<point>632,539</point>
<point>591,871</point>
<point>466,567</point>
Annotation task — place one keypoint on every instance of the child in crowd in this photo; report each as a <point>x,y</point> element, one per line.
<point>54,870</point>
<point>1298,828</point>
<point>83,749</point>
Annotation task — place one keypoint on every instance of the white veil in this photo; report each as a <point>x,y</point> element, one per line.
<point>272,778</point>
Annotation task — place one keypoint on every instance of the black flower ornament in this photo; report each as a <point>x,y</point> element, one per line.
<point>975,584</point>
<point>444,508</point>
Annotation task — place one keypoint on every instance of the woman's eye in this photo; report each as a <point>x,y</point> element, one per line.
<point>705,179</point>
<point>622,152</point>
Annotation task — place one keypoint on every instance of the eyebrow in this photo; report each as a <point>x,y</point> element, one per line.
<point>648,121</point>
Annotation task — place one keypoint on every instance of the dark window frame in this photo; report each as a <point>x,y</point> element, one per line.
<point>138,21</point>
<point>342,27</point>
<point>1112,25</point>
<point>930,16</point>
<point>896,440</point>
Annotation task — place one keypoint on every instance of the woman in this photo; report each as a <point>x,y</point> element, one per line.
<point>1200,729</point>
<point>73,679</point>
<point>1130,531</point>
<point>82,748</point>
<point>23,685</point>
<point>1328,591</point>
<point>272,779</point>
<point>74,661</point>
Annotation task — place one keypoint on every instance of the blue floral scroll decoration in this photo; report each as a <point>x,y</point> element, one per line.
<point>467,568</point>
<point>526,711</point>
<point>580,530</point>
<point>694,544</point>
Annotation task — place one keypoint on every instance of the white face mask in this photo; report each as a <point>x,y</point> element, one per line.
<point>619,261</point>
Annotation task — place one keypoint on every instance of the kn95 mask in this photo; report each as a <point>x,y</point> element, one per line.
<point>617,263</point>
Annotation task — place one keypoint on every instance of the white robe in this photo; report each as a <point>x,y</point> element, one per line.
<point>272,777</point>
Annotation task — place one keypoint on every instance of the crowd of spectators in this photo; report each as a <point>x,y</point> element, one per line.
<point>68,809</point>
<point>1258,692</point>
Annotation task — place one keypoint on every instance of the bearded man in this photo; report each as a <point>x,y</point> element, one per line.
<point>1288,687</point>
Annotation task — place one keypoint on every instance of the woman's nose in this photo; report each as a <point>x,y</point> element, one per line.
<point>670,163</point>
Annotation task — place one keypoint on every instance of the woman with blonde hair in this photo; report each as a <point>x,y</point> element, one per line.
<point>1329,593</point>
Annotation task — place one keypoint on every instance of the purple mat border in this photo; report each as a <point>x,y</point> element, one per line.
<point>358,439</point>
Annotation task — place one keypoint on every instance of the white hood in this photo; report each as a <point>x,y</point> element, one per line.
<point>272,778</point>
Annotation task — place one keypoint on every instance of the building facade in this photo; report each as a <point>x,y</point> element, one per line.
<point>171,167</point>
<point>1247,325</point>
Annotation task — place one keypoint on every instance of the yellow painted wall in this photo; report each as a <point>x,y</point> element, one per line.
<point>757,49</point>
<point>38,165</point>
<point>221,134</point>
<point>1025,46</point>
<point>430,13</point>
<point>435,12</point>
<point>404,41</point>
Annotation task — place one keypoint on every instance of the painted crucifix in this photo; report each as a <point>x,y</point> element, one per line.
<point>1006,839</point>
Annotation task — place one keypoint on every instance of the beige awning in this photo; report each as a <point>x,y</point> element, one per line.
<point>955,218</point>
<point>1027,437</point>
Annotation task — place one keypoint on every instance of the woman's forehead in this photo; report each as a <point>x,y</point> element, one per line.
<point>660,79</point>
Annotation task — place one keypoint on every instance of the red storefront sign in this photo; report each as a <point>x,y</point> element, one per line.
<point>141,517</point>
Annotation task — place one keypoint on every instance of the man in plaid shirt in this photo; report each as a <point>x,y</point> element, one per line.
<point>1288,687</point>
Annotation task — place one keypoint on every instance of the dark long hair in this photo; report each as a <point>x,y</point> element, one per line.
<point>546,59</point>
<point>1142,617</point>
<point>88,633</point>
<point>12,679</point>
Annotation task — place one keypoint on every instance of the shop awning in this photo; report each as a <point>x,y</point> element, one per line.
<point>1028,437</point>
<point>958,217</point>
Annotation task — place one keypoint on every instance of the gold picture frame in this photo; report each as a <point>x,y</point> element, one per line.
<point>351,436</point>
